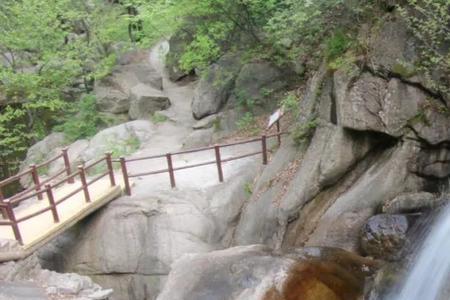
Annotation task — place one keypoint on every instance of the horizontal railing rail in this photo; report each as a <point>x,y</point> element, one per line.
<point>8,207</point>
<point>45,186</point>
<point>218,161</point>
<point>33,172</point>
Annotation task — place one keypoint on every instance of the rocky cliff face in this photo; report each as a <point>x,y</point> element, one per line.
<point>381,142</point>
<point>379,135</point>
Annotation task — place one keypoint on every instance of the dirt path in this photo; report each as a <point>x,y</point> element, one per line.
<point>169,136</point>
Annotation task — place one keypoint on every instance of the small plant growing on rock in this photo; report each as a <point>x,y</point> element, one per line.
<point>303,132</point>
<point>248,123</point>
<point>337,44</point>
<point>245,102</point>
<point>158,118</point>
<point>290,103</point>
<point>248,188</point>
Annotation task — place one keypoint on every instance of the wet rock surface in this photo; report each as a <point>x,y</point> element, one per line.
<point>257,273</point>
<point>384,236</point>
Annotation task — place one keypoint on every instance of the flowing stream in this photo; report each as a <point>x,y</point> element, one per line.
<point>428,277</point>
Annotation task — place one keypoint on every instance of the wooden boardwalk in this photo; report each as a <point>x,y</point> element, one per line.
<point>37,231</point>
<point>53,204</point>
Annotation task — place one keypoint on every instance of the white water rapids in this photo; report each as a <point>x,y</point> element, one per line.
<point>428,278</point>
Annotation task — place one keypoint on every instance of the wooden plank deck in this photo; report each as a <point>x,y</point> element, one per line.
<point>40,229</point>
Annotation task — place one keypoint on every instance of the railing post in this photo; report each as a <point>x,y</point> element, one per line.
<point>37,183</point>
<point>170,168</point>
<point>126,181</point>
<point>264,149</point>
<point>110,168</point>
<point>4,214</point>
<point>51,201</point>
<point>218,162</point>
<point>278,133</point>
<point>14,225</point>
<point>67,165</point>
<point>84,183</point>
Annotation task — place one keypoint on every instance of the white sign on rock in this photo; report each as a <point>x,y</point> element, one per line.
<point>275,117</point>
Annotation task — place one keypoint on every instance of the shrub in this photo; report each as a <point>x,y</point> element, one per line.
<point>429,22</point>
<point>290,104</point>
<point>336,45</point>
<point>248,123</point>
<point>82,121</point>
<point>245,102</point>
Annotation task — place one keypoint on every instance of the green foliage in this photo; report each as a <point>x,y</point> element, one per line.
<point>303,132</point>
<point>404,69</point>
<point>200,53</point>
<point>248,124</point>
<point>217,124</point>
<point>48,48</point>
<point>306,31</point>
<point>336,45</point>
<point>125,148</point>
<point>117,149</point>
<point>82,121</point>
<point>419,118</point>
<point>429,21</point>
<point>245,102</point>
<point>266,92</point>
<point>159,118</point>
<point>248,188</point>
<point>290,103</point>
<point>212,25</point>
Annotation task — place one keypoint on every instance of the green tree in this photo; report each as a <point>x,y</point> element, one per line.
<point>47,48</point>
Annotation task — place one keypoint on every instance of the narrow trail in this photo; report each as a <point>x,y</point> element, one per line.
<point>170,135</point>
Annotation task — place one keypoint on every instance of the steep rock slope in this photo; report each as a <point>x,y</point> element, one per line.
<point>378,135</point>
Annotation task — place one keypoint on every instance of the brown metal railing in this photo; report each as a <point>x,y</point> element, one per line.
<point>8,206</point>
<point>47,186</point>
<point>33,172</point>
<point>218,161</point>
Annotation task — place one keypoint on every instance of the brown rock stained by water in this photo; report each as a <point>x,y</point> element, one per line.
<point>318,281</point>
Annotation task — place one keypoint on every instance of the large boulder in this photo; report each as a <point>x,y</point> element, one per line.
<point>111,100</point>
<point>332,153</point>
<point>178,43</point>
<point>369,103</point>
<point>122,139</point>
<point>41,151</point>
<point>393,48</point>
<point>113,93</point>
<point>384,236</point>
<point>75,152</point>
<point>27,280</point>
<point>372,103</point>
<point>145,101</point>
<point>152,229</point>
<point>258,80</point>
<point>432,162</point>
<point>257,273</point>
<point>410,202</point>
<point>215,86</point>
<point>141,73</point>
<point>341,223</point>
